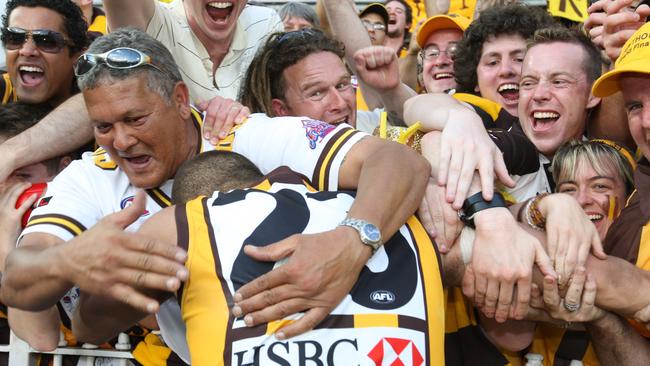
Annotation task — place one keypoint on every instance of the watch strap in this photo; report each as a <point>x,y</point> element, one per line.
<point>475,203</point>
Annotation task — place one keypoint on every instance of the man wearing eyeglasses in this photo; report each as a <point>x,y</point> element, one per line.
<point>438,37</point>
<point>42,39</point>
<point>375,19</point>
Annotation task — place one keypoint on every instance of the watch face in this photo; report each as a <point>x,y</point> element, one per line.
<point>372,232</point>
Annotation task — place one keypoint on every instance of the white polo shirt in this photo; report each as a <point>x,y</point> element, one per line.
<point>169,25</point>
<point>93,187</point>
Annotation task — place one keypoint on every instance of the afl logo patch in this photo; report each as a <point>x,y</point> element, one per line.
<point>382,297</point>
<point>126,202</point>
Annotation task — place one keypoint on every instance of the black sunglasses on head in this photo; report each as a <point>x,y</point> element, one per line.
<point>45,40</point>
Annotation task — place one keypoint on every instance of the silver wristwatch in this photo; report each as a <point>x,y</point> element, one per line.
<point>369,233</point>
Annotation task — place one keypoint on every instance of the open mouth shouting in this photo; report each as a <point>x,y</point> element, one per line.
<point>137,162</point>
<point>544,120</point>
<point>31,75</point>
<point>509,92</point>
<point>220,11</point>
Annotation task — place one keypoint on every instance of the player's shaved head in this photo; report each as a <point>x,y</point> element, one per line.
<point>213,171</point>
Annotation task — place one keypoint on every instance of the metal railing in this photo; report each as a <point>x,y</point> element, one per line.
<point>21,354</point>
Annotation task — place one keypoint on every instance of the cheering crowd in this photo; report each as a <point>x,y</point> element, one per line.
<point>414,182</point>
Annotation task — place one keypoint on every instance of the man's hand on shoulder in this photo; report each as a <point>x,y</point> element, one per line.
<point>221,115</point>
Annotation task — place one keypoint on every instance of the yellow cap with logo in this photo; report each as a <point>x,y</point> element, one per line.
<point>635,57</point>
<point>438,22</point>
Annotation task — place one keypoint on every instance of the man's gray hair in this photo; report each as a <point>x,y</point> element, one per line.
<point>161,79</point>
<point>299,10</point>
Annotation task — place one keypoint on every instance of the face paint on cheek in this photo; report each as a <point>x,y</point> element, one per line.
<point>613,208</point>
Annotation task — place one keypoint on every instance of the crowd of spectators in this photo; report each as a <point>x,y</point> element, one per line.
<point>404,182</point>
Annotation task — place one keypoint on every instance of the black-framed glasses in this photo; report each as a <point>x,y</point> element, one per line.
<point>45,40</point>
<point>377,27</point>
<point>117,58</point>
<point>431,52</point>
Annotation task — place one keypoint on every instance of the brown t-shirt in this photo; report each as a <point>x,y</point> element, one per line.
<point>624,236</point>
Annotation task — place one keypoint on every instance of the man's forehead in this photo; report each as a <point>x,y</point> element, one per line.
<point>395,4</point>
<point>46,19</point>
<point>321,66</point>
<point>115,99</point>
<point>562,59</point>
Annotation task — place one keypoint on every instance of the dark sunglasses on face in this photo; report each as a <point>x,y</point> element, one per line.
<point>117,58</point>
<point>45,40</point>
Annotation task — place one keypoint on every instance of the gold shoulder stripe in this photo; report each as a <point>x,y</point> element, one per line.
<point>159,197</point>
<point>265,185</point>
<point>203,262</point>
<point>226,143</point>
<point>102,160</point>
<point>431,278</point>
<point>487,105</point>
<point>197,118</point>
<point>73,226</point>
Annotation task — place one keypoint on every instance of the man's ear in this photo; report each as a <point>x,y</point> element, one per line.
<point>592,101</point>
<point>64,162</point>
<point>181,98</point>
<point>279,108</point>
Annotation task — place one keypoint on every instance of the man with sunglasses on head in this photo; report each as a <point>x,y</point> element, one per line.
<point>42,39</point>
<point>213,43</point>
<point>142,119</point>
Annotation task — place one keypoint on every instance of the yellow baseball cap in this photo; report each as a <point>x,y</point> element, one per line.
<point>635,57</point>
<point>437,22</point>
<point>376,8</point>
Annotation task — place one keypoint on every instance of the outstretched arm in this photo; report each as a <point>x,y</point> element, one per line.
<point>104,260</point>
<point>63,130</point>
<point>126,13</point>
<point>617,343</point>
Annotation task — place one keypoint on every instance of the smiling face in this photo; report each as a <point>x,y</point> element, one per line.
<point>438,72</point>
<point>499,70</point>
<point>213,21</point>
<point>601,194</point>
<point>636,94</point>
<point>555,95</point>
<point>39,76</point>
<point>396,19</point>
<point>147,138</point>
<point>319,87</point>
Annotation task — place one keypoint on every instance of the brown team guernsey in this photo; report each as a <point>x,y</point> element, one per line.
<point>629,236</point>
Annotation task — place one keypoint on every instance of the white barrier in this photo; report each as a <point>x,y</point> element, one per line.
<point>21,354</point>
